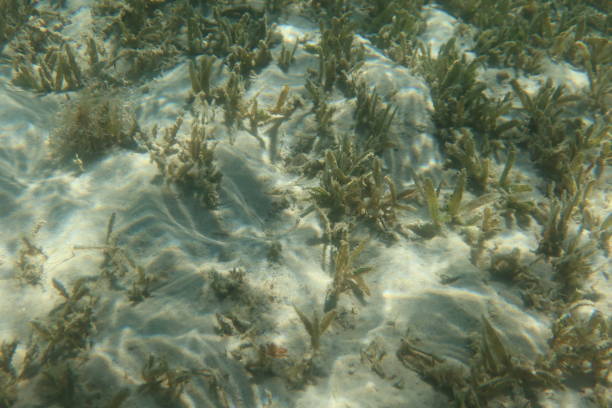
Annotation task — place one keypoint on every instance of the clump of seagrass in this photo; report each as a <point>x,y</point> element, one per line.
<point>347,277</point>
<point>492,371</point>
<point>455,91</point>
<point>315,326</point>
<point>338,55</point>
<point>188,163</point>
<point>581,347</point>
<point>51,360</point>
<point>15,14</point>
<point>302,371</point>
<point>389,23</point>
<point>200,73</point>
<point>352,184</point>
<point>65,335</point>
<point>166,384</point>
<point>452,212</point>
<point>324,136</point>
<point>274,116</point>
<point>463,154</point>
<point>458,96</point>
<point>91,126</point>
<point>56,71</point>
<point>373,119</point>
<point>287,57</point>
<point>118,268</point>
<point>29,265</point>
<point>8,374</point>
<point>145,33</point>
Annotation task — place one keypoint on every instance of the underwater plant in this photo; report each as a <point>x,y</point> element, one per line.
<point>373,119</point>
<point>72,324</point>
<point>338,57</point>
<point>315,326</point>
<point>346,276</point>
<point>273,116</point>
<point>15,14</point>
<point>352,184</point>
<point>287,56</point>
<point>581,345</point>
<point>30,262</point>
<point>390,20</point>
<point>8,375</point>
<point>492,371</point>
<point>56,71</point>
<point>452,212</point>
<point>463,151</point>
<point>187,163</point>
<point>200,73</point>
<point>119,269</point>
<point>91,126</point>
<point>160,380</point>
<point>456,93</point>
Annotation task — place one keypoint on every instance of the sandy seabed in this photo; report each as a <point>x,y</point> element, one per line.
<point>424,290</point>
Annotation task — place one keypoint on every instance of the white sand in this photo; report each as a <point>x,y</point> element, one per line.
<point>179,242</point>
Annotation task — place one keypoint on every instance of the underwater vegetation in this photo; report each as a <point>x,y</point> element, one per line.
<point>458,96</point>
<point>30,261</point>
<point>16,12</point>
<point>346,276</point>
<point>486,140</point>
<point>338,57</point>
<point>160,379</point>
<point>57,71</point>
<point>287,57</point>
<point>315,326</point>
<point>90,126</point>
<point>384,21</point>
<point>59,343</point>
<point>373,120</point>
<point>571,151</point>
<point>119,270</point>
<point>352,185</point>
<point>492,372</point>
<point>187,163</point>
